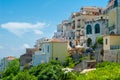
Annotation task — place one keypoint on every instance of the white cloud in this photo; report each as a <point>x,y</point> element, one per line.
<point>38,32</point>
<point>19,28</point>
<point>26,46</point>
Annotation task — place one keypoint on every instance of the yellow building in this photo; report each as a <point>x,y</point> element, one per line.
<point>58,50</point>
<point>111,42</point>
<point>111,45</point>
<point>54,49</point>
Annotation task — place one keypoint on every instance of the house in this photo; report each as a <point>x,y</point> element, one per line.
<point>111,48</point>
<point>39,57</point>
<point>26,59</point>
<point>54,49</point>
<point>5,61</point>
<point>57,49</point>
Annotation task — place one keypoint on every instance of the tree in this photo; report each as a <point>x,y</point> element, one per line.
<point>51,72</point>
<point>69,62</point>
<point>24,76</point>
<point>12,68</point>
<point>99,40</point>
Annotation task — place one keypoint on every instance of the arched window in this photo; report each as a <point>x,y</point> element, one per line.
<point>89,42</point>
<point>112,32</point>
<point>89,29</point>
<point>97,28</point>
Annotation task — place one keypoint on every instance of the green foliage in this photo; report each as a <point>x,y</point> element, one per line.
<point>35,70</point>
<point>55,62</point>
<point>99,39</point>
<point>104,71</point>
<point>24,76</point>
<point>81,77</point>
<point>26,67</point>
<point>103,64</point>
<point>69,62</point>
<point>70,76</point>
<point>48,71</point>
<point>10,77</point>
<point>52,72</point>
<point>12,68</point>
<point>83,58</point>
<point>108,72</point>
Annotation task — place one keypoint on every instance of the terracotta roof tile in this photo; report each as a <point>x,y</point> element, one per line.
<point>10,58</point>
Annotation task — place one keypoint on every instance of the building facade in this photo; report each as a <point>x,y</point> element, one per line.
<point>54,49</point>
<point>73,30</point>
<point>39,42</point>
<point>95,28</point>
<point>38,58</point>
<point>113,12</point>
<point>79,19</point>
<point>26,59</point>
<point>111,48</point>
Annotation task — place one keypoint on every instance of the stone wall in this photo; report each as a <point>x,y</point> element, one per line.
<point>112,55</point>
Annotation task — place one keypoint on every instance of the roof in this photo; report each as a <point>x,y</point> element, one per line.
<point>112,35</point>
<point>90,8</point>
<point>10,58</point>
<point>56,40</point>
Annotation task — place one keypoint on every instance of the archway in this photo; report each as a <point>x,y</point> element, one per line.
<point>89,29</point>
<point>89,42</point>
<point>97,28</point>
<point>112,33</point>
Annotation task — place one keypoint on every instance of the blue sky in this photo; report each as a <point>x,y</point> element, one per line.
<point>22,22</point>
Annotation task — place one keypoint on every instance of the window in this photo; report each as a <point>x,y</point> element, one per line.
<point>70,43</point>
<point>97,28</point>
<point>106,41</point>
<point>56,58</point>
<point>89,29</point>
<point>78,25</point>
<point>48,48</point>
<point>112,47</point>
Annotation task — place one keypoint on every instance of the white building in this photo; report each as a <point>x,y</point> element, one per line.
<point>39,42</point>
<point>59,33</point>
<point>78,21</point>
<point>95,28</point>
<point>38,58</point>
<point>5,61</point>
